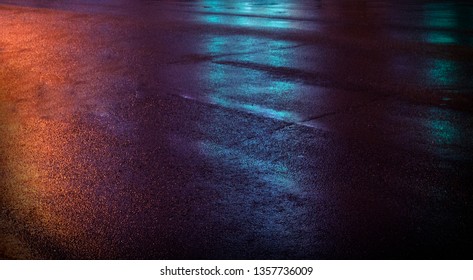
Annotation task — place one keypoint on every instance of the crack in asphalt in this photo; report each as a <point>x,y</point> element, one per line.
<point>284,123</point>
<point>347,109</point>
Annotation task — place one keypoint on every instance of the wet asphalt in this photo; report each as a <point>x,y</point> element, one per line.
<point>236,129</point>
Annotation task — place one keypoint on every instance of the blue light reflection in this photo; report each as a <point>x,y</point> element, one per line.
<point>448,23</point>
<point>267,210</point>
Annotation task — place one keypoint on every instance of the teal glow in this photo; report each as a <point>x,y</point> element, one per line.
<point>274,174</point>
<point>276,53</point>
<point>213,19</point>
<point>437,37</point>
<point>442,131</point>
<point>441,19</point>
<point>450,19</point>
<point>440,15</point>
<point>245,89</point>
<point>216,44</point>
<point>246,6</point>
<point>239,16</point>
<point>250,89</point>
<point>260,22</point>
<point>443,72</point>
<point>283,88</point>
<point>254,109</point>
<point>244,21</point>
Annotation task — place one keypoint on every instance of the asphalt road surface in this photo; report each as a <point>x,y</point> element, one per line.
<point>207,129</point>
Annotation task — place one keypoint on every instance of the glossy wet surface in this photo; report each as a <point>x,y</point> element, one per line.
<point>236,129</point>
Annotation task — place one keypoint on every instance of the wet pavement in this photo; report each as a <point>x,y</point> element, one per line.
<point>236,129</point>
